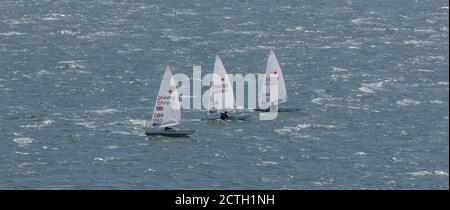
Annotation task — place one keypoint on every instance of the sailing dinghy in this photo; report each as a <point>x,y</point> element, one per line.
<point>221,98</point>
<point>167,110</point>
<point>272,78</point>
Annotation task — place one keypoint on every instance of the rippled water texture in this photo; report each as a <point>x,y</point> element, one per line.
<point>78,80</point>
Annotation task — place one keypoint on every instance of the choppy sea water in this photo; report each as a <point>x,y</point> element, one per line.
<point>78,80</point>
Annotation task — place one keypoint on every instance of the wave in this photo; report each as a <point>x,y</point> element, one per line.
<point>374,86</point>
<point>104,111</point>
<point>428,30</point>
<point>105,159</point>
<point>90,125</point>
<point>363,21</point>
<point>407,102</point>
<point>427,173</point>
<point>54,16</point>
<point>326,101</point>
<point>266,163</point>
<point>122,132</point>
<point>4,88</point>
<point>340,73</point>
<point>112,147</point>
<point>138,122</point>
<point>294,130</point>
<point>442,83</point>
<point>104,33</point>
<point>73,64</point>
<point>98,34</point>
<point>12,33</point>
<point>44,72</point>
<point>436,102</point>
<point>175,12</point>
<point>67,32</point>
<point>418,43</point>
<point>23,141</point>
<point>39,125</point>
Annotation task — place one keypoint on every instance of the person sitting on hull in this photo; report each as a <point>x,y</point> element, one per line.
<point>168,129</point>
<point>223,115</point>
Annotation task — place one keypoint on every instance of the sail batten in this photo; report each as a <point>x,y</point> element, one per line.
<point>167,106</point>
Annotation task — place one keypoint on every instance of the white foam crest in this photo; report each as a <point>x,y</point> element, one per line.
<point>266,163</point>
<point>428,30</point>
<point>407,102</point>
<point>44,72</point>
<point>418,43</point>
<point>73,64</point>
<point>374,86</point>
<point>298,28</point>
<point>4,88</point>
<point>180,12</point>
<point>12,33</point>
<point>23,141</point>
<point>104,159</point>
<point>360,21</point>
<point>38,125</point>
<point>97,35</point>
<point>427,173</point>
<point>67,32</point>
<point>138,122</point>
<point>104,33</point>
<point>122,132</point>
<point>338,70</point>
<point>366,90</point>
<point>327,101</point>
<point>436,102</point>
<point>302,126</point>
<point>54,16</point>
<point>130,132</point>
<point>340,73</point>
<point>104,111</point>
<point>192,120</point>
<point>90,125</point>
<point>112,147</point>
<point>443,83</point>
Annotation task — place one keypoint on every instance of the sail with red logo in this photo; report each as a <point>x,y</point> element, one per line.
<point>221,99</point>
<point>221,93</point>
<point>167,109</point>
<point>273,91</point>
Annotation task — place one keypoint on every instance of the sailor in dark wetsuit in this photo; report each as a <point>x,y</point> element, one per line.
<point>223,115</point>
<point>168,129</point>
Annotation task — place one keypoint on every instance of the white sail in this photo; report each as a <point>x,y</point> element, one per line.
<point>221,95</point>
<point>273,82</point>
<point>167,107</point>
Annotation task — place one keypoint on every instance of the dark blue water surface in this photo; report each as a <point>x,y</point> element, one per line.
<point>78,80</point>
